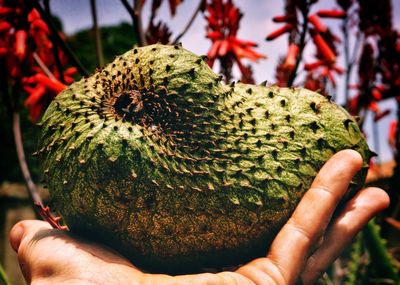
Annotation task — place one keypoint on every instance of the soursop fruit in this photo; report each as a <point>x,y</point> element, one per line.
<point>156,157</point>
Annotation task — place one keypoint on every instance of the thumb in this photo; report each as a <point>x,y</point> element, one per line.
<point>23,229</point>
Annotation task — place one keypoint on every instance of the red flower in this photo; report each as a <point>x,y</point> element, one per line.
<point>27,49</point>
<point>159,33</point>
<point>223,23</point>
<point>278,32</point>
<point>392,135</point>
<point>332,14</point>
<point>34,102</point>
<point>68,73</point>
<point>376,94</point>
<point>291,56</point>
<point>315,82</point>
<point>41,90</point>
<point>284,18</point>
<point>314,65</point>
<point>6,11</point>
<point>323,48</point>
<point>319,26</point>
<point>20,44</point>
<point>4,26</point>
<point>374,107</point>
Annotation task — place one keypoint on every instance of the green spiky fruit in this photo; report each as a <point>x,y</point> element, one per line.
<point>156,157</point>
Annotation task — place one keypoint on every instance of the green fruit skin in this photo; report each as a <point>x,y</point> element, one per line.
<point>204,175</point>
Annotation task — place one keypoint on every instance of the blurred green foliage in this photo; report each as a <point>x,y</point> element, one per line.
<point>115,39</point>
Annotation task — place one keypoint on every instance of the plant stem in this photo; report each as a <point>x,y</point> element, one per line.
<point>3,277</point>
<point>43,66</point>
<point>346,61</point>
<point>189,24</point>
<point>349,62</point>
<point>59,41</point>
<point>301,44</point>
<point>375,131</point>
<point>96,31</point>
<point>55,46</point>
<point>32,189</point>
<point>137,20</point>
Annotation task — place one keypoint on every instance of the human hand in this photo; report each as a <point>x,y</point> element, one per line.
<point>308,243</point>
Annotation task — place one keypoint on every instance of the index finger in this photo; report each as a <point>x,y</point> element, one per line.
<point>291,247</point>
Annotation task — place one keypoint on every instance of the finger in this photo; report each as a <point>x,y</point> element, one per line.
<point>25,228</point>
<point>358,211</point>
<point>308,222</point>
<point>20,235</point>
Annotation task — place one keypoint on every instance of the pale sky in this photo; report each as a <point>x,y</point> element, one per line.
<point>255,25</point>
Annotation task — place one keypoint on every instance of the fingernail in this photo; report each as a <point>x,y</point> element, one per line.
<point>16,235</point>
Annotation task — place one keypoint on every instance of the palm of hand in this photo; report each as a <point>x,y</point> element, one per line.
<point>49,256</point>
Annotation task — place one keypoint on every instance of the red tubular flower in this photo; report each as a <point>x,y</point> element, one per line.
<point>392,133</point>
<point>314,65</point>
<point>33,15</point>
<point>20,44</point>
<point>376,94</point>
<point>374,107</point>
<point>68,73</point>
<point>212,54</point>
<point>40,25</point>
<point>283,19</point>
<point>319,26</point>
<point>339,14</point>
<point>4,26</point>
<point>33,102</point>
<point>242,52</point>
<point>223,48</point>
<point>291,56</point>
<point>13,67</point>
<point>52,85</point>
<point>6,11</point>
<point>324,48</point>
<point>315,82</point>
<point>354,104</point>
<point>3,51</point>
<point>286,28</point>
<point>41,90</point>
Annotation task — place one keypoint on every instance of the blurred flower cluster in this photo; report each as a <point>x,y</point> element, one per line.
<point>379,64</point>
<point>311,25</point>
<point>28,54</point>
<point>223,19</point>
